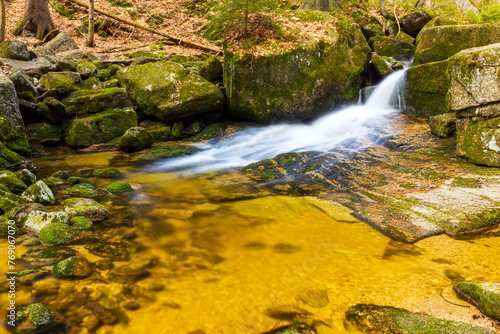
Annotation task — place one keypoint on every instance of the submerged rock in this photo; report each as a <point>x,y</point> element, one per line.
<point>83,190</point>
<point>85,207</point>
<point>48,255</point>
<point>389,320</point>
<point>111,250</point>
<point>75,266</point>
<point>38,314</point>
<point>81,223</point>
<point>111,173</point>
<point>484,295</point>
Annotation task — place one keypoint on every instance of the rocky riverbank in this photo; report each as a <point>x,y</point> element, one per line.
<point>413,181</point>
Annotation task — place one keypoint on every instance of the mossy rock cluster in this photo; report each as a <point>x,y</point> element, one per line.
<point>300,83</point>
<point>99,128</point>
<point>441,42</point>
<point>426,88</point>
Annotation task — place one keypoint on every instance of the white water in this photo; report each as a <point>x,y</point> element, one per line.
<point>339,127</point>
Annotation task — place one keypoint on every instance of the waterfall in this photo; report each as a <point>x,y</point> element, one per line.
<point>348,127</point>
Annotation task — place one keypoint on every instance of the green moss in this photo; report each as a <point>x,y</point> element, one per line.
<point>8,157</point>
<point>119,187</point>
<point>85,207</point>
<point>27,96</point>
<point>44,132</point>
<point>74,266</point>
<point>56,234</point>
<point>160,131</point>
<point>99,128</point>
<point>136,139</point>
<point>6,228</point>
<point>120,3</point>
<point>385,319</point>
<point>62,84</point>
<point>466,182</point>
<point>162,152</point>
<point>484,294</point>
<point>50,252</point>
<point>63,10</point>
<point>81,223</point>
<point>12,139</point>
<point>40,314</point>
<point>391,47</point>
<point>82,190</point>
<point>87,69</point>
<point>92,83</point>
<point>61,174</point>
<point>86,102</point>
<point>12,182</point>
<point>112,173</point>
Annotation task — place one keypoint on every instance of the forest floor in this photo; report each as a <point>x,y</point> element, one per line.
<point>180,18</point>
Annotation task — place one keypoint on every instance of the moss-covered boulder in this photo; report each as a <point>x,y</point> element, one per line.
<point>44,133</point>
<point>39,192</point>
<point>92,83</point>
<point>8,157</point>
<point>87,69</point>
<point>211,69</point>
<point>60,83</point>
<point>37,220</point>
<point>111,173</point>
<point>168,91</point>
<point>390,320</point>
<point>75,266</point>
<point>385,65</point>
<point>119,187</point>
<point>86,102</point>
<point>474,94</point>
<point>435,22</point>
<point>441,42</point>
<point>77,180</point>
<point>300,83</point>
<point>8,227</point>
<point>9,201</point>
<point>426,88</point>
<point>26,176</point>
<point>83,190</point>
<point>99,128</point>
<point>85,207</point>
<point>55,106</point>
<point>484,295</point>
<point>392,47</point>
<point>57,233</point>
<point>40,316</point>
<point>81,223</point>
<point>160,131</point>
<point>11,121</point>
<point>14,50</point>
<point>136,139</point>
<point>12,182</point>
<point>443,125</point>
<point>60,174</point>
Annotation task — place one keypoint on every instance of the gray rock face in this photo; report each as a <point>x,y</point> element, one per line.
<point>61,43</point>
<point>14,50</point>
<point>21,81</point>
<point>414,22</point>
<point>9,103</point>
<point>40,64</point>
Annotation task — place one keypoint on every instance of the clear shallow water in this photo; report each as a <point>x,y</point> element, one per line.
<point>226,266</point>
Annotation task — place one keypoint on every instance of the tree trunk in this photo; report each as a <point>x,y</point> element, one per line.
<point>90,36</point>
<point>384,12</point>
<point>324,5</point>
<point>337,3</point>
<point>36,18</point>
<point>2,20</point>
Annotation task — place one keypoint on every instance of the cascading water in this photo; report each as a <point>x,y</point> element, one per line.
<point>351,124</point>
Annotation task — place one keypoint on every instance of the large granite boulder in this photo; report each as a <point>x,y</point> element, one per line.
<point>61,43</point>
<point>301,83</point>
<point>87,101</point>
<point>441,42</point>
<point>426,88</point>
<point>474,94</point>
<point>14,50</point>
<point>99,128</point>
<point>168,91</point>
<point>9,104</point>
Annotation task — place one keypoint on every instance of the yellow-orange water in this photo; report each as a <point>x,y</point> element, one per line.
<point>325,249</point>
